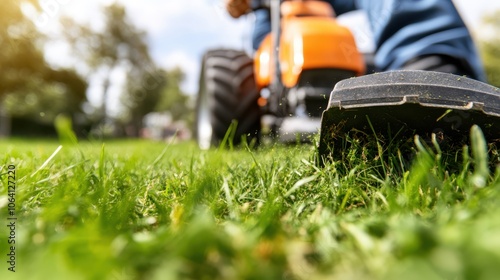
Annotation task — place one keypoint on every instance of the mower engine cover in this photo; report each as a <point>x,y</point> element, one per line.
<point>310,38</point>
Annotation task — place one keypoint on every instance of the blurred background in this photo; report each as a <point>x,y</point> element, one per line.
<point>129,68</point>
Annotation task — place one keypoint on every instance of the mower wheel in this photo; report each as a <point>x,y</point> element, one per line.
<point>227,94</point>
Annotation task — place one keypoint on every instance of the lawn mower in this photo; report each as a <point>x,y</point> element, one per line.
<point>287,86</point>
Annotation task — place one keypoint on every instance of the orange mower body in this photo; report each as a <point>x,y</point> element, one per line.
<point>301,81</point>
<point>310,39</point>
<point>283,90</point>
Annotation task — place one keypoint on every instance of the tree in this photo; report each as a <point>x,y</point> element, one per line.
<point>490,49</point>
<point>47,95</point>
<point>120,45</point>
<point>20,58</point>
<point>173,99</point>
<point>142,96</point>
<point>29,87</point>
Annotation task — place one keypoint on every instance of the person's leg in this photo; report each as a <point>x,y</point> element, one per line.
<point>407,30</point>
<point>262,27</point>
<point>342,6</point>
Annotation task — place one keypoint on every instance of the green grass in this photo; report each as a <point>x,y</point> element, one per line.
<point>149,210</point>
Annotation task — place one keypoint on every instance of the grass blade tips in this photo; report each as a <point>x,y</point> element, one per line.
<point>480,157</point>
<point>300,183</point>
<point>47,161</point>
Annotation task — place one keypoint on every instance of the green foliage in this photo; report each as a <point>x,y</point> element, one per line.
<point>173,99</point>
<point>143,94</point>
<point>121,45</point>
<point>146,210</point>
<point>20,57</point>
<point>41,99</point>
<point>64,128</point>
<point>490,49</point>
<point>119,42</point>
<point>29,88</point>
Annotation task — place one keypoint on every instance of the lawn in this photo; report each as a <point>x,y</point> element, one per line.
<point>151,210</point>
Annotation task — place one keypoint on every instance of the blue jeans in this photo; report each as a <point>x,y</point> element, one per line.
<point>403,30</point>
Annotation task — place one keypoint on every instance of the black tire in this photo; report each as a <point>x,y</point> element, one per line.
<point>227,93</point>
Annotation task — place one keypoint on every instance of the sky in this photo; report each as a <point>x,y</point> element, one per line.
<point>180,31</point>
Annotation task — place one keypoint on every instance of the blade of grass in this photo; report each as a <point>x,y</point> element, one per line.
<point>480,157</point>
<point>300,183</point>
<point>46,162</point>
